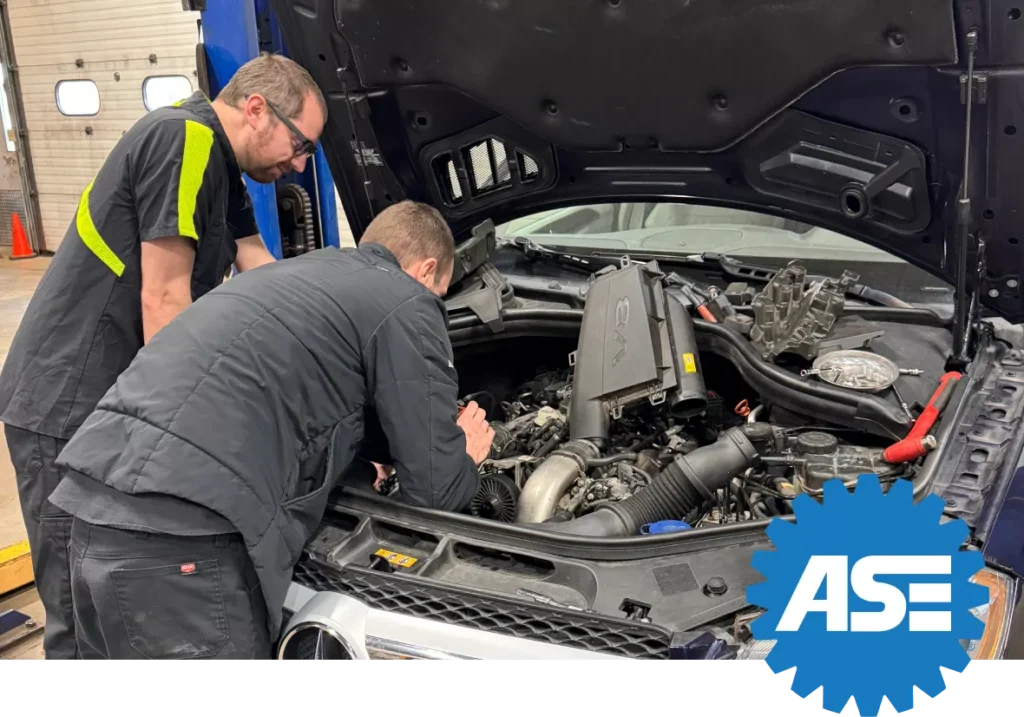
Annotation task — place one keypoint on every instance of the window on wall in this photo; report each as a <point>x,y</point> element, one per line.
<point>78,98</point>
<point>8,125</point>
<point>163,90</point>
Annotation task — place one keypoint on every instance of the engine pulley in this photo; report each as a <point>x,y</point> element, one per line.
<point>496,499</point>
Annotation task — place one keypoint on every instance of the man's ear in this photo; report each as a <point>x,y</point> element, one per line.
<point>428,271</point>
<point>255,107</point>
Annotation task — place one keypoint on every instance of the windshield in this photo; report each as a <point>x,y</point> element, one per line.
<point>747,236</point>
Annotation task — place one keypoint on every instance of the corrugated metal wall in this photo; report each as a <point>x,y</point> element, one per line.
<point>116,44</point>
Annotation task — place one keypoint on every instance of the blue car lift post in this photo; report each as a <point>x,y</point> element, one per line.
<point>234,32</point>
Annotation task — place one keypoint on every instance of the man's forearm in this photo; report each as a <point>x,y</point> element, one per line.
<point>167,264</point>
<point>252,253</point>
<point>450,487</point>
<point>159,310</point>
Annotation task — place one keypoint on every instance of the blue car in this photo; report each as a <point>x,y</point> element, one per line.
<point>711,255</point>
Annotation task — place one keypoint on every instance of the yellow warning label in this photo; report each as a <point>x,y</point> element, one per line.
<point>403,561</point>
<point>689,363</point>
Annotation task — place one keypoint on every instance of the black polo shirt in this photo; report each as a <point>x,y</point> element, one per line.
<point>172,174</point>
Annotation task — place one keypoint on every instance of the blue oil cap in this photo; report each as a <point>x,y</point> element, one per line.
<point>664,526</point>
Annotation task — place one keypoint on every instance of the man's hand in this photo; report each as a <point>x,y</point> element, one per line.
<point>479,433</point>
<point>383,473</point>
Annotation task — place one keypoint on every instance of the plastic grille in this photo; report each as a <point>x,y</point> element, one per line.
<point>491,614</point>
<point>530,168</point>
<point>480,167</point>
<point>453,177</point>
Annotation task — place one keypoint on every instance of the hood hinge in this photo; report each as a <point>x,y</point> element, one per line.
<point>971,327</point>
<point>980,93</point>
<point>963,304</point>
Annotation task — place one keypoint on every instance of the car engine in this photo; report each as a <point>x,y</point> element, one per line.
<point>627,439</point>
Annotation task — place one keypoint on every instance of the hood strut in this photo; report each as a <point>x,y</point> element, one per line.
<point>963,305</point>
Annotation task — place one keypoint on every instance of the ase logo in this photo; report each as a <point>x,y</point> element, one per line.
<point>867,595</point>
<point>833,569</point>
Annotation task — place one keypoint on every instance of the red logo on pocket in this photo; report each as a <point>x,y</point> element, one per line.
<point>188,568</point>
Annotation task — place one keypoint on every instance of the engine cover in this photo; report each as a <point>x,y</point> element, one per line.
<point>636,343</point>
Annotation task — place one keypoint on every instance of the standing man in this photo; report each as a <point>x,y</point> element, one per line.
<point>158,227</point>
<point>200,477</point>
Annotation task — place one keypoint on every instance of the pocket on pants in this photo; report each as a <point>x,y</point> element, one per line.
<point>173,611</point>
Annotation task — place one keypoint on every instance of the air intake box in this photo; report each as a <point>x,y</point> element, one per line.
<point>636,343</point>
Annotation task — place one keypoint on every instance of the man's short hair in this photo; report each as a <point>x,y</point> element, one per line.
<point>280,80</point>
<point>412,232</point>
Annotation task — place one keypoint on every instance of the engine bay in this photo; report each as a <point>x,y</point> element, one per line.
<point>640,452</point>
<point>793,460</point>
<point>681,406</point>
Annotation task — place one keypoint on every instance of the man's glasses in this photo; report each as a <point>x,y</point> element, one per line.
<point>306,147</point>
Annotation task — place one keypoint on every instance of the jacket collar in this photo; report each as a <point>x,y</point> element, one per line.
<point>377,254</point>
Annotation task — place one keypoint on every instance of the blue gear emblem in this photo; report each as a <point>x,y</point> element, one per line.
<point>848,661</point>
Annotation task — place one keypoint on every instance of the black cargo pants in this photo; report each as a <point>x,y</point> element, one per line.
<point>49,532</point>
<point>155,596</point>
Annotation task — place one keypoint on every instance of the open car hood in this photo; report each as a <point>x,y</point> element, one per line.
<point>845,115</point>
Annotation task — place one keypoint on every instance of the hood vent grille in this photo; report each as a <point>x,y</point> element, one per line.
<point>481,168</point>
<point>488,166</point>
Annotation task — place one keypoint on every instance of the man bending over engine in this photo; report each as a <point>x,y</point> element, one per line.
<point>206,468</point>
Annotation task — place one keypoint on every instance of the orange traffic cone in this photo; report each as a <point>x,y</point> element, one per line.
<point>20,248</point>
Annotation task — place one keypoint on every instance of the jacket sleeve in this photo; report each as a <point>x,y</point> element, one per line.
<point>414,388</point>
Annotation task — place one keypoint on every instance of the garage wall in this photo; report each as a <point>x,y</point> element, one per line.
<point>11,200</point>
<point>116,44</point>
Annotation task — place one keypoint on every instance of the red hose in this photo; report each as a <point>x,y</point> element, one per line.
<point>917,442</point>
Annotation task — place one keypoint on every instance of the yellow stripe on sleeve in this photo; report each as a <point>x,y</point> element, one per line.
<point>198,143</point>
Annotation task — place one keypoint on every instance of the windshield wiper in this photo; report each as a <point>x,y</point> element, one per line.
<point>595,260</point>
<point>584,263</point>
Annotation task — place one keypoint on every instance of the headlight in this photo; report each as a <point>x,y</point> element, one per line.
<point>1002,597</point>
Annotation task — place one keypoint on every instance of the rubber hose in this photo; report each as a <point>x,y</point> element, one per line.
<point>610,460</point>
<point>685,484</point>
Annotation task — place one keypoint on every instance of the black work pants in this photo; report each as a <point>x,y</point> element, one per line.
<point>154,596</point>
<point>49,532</point>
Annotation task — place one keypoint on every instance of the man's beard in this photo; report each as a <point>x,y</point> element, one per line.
<point>264,175</point>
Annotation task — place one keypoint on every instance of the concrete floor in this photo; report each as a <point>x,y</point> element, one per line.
<point>18,280</point>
